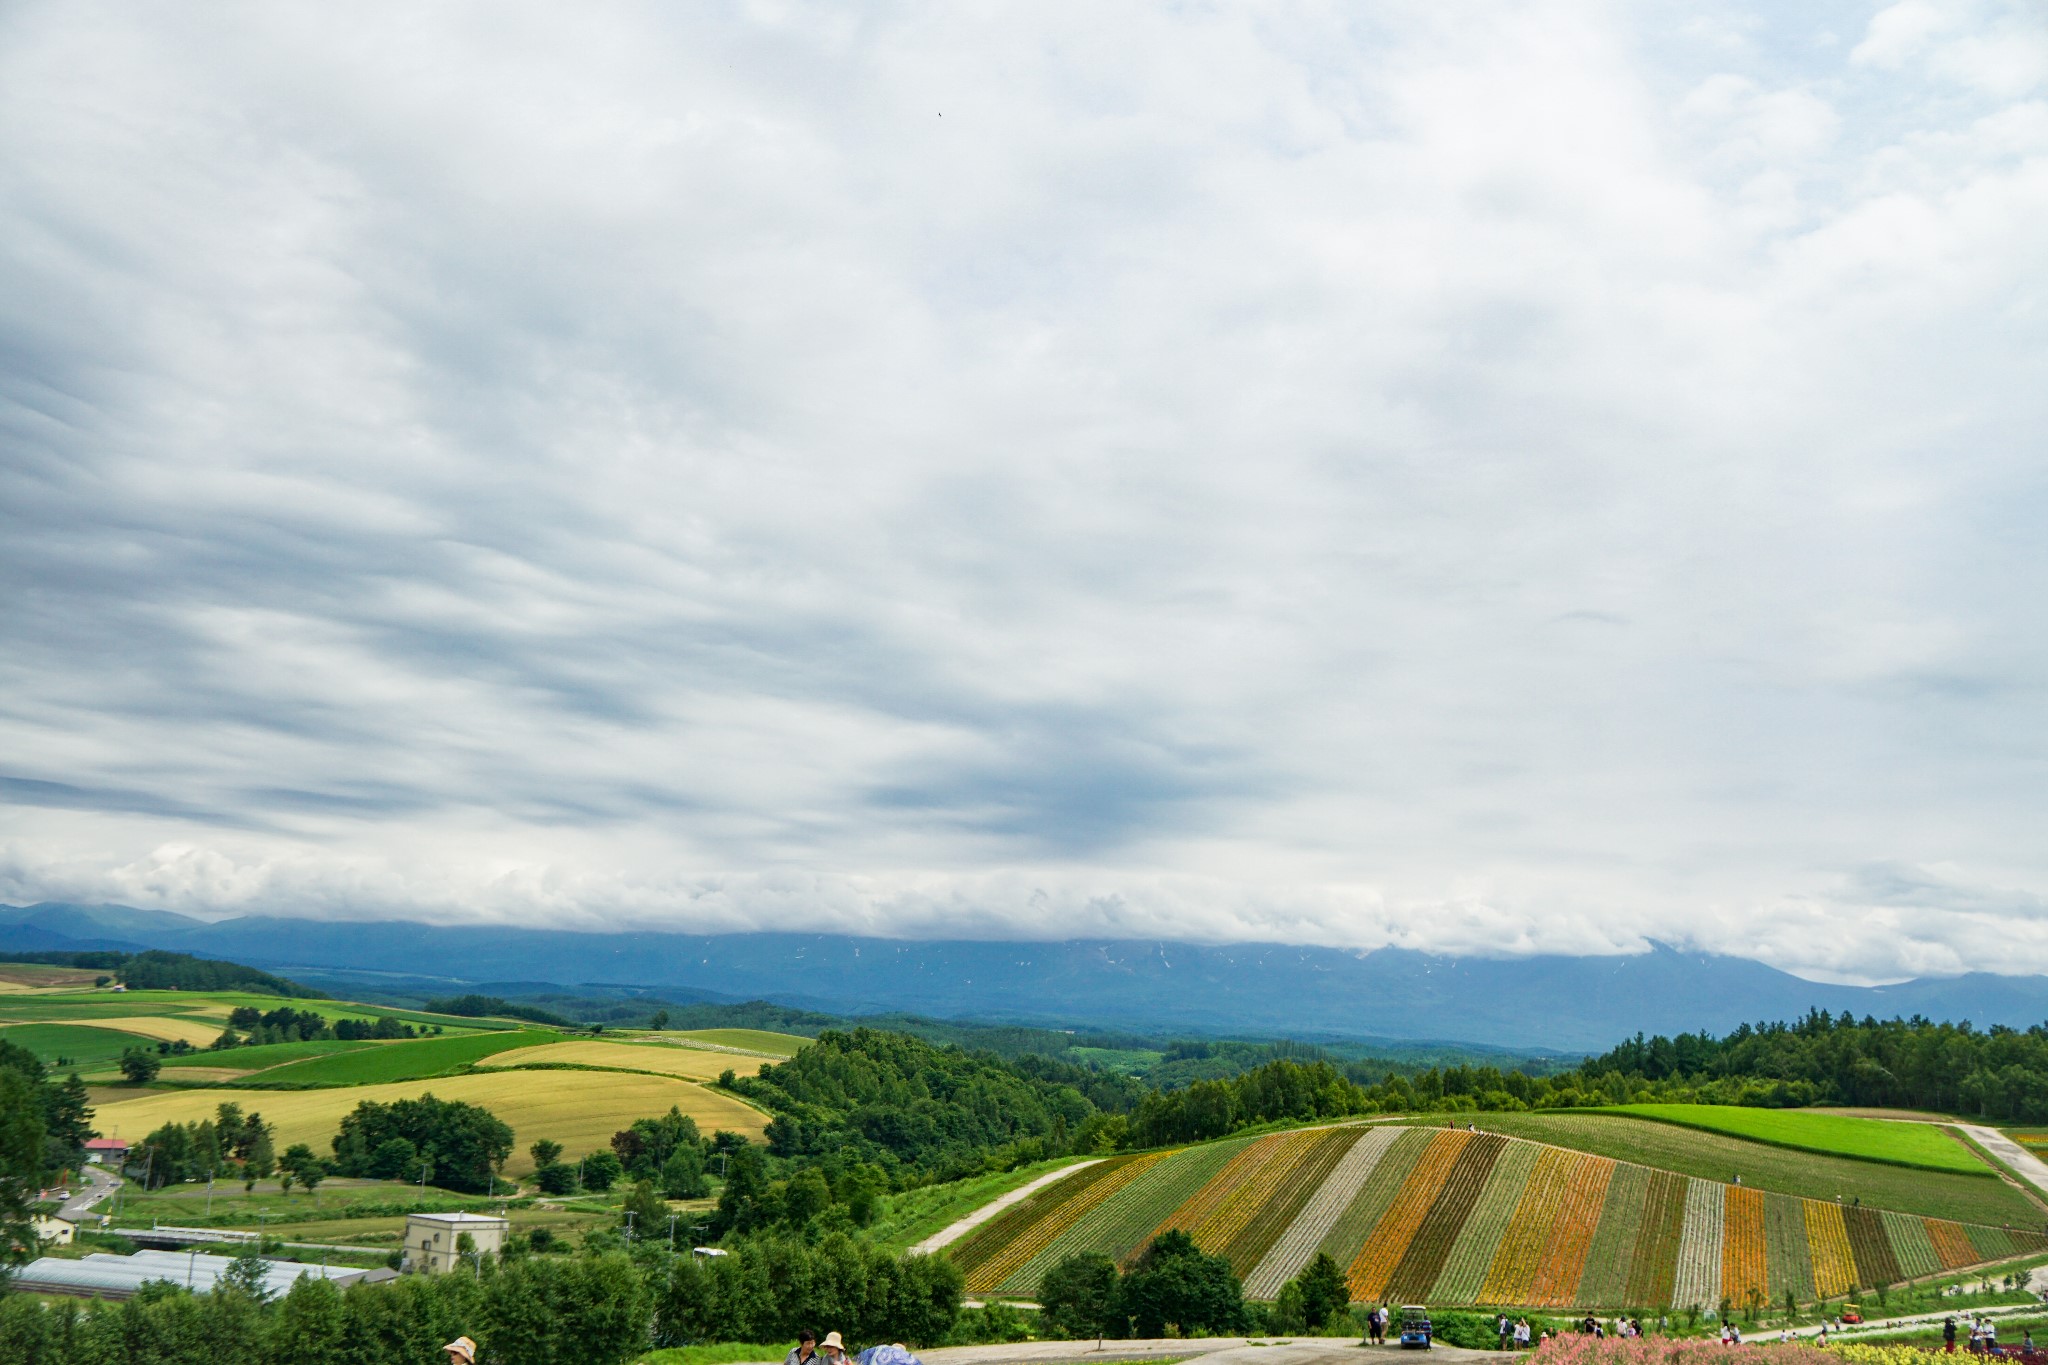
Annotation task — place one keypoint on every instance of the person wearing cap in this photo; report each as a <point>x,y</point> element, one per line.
<point>461,1351</point>
<point>806,1352</point>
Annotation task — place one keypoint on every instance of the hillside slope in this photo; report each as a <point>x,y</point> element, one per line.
<point>1450,1216</point>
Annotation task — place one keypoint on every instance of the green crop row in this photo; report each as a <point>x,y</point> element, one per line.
<point>1609,1259</point>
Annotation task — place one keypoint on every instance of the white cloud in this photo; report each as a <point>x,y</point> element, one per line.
<point>1445,478</point>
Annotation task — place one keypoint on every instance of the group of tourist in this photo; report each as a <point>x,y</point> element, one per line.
<point>1516,1335</point>
<point>1983,1338</point>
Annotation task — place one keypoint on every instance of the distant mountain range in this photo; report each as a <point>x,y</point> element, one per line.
<point>1250,989</point>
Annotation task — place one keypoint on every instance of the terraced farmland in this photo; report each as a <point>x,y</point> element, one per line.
<point>1452,1216</point>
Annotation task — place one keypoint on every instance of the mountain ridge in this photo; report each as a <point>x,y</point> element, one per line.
<point>1553,1001</point>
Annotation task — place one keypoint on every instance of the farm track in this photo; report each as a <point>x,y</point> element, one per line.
<point>974,1250</point>
<point>1297,1245</point>
<point>1060,1217</point>
<point>1071,1234</point>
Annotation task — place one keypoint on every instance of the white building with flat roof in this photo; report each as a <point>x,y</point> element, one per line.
<point>431,1238</point>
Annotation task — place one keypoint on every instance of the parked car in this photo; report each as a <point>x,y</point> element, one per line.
<point>1415,1328</point>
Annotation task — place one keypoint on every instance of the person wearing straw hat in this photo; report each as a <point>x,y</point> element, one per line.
<point>834,1349</point>
<point>461,1351</point>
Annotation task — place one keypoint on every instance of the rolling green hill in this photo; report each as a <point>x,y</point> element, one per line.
<point>1452,1216</point>
<point>1925,1145</point>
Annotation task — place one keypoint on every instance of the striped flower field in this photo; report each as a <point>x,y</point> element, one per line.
<point>1447,1216</point>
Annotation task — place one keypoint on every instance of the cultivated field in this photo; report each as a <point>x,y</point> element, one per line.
<point>379,1063</point>
<point>1716,1156</point>
<point>745,1039</point>
<point>1446,1215</point>
<point>1925,1145</point>
<point>88,1049</point>
<point>22,978</point>
<point>579,1109</point>
<point>660,1058</point>
<point>166,1028</point>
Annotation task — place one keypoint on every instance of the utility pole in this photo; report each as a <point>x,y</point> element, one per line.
<point>629,1226</point>
<point>672,1232</point>
<point>209,1194</point>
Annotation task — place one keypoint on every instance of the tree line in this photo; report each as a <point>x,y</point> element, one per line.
<point>44,1124</point>
<point>598,1308</point>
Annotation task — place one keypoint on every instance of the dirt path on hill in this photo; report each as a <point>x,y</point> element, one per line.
<point>954,1231</point>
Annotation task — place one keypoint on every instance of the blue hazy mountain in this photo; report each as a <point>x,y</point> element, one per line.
<point>1575,1003</point>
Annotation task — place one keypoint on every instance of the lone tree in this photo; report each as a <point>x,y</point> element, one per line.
<point>1324,1292</point>
<point>1080,1297</point>
<point>1176,1282</point>
<point>140,1065</point>
<point>546,1152</point>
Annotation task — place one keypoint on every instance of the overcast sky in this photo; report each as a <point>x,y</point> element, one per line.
<point>1490,478</point>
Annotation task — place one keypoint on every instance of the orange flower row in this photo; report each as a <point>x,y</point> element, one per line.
<point>1951,1243</point>
<point>1745,1256</point>
<point>1390,1236</point>
<point>1571,1237</point>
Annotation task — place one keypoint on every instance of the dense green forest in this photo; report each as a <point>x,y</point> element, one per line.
<point>1998,1073</point>
<point>43,1127</point>
<point>156,970</point>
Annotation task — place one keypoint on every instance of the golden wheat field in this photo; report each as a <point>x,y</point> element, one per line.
<point>694,1063</point>
<point>164,1027</point>
<point>579,1109</point>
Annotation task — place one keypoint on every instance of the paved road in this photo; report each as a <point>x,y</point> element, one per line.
<point>2024,1163</point>
<point>99,1183</point>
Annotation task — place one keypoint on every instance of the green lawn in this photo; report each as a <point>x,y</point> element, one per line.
<point>78,1046</point>
<point>753,1039</point>
<point>1717,1156</point>
<point>381,1062</point>
<point>1924,1145</point>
